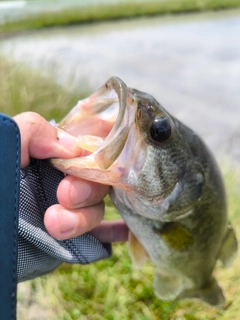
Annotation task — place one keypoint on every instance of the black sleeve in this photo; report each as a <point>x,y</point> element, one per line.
<point>38,252</point>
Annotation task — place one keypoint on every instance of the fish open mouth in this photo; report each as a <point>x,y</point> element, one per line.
<point>101,124</point>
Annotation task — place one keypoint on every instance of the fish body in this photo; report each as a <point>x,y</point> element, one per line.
<point>165,184</point>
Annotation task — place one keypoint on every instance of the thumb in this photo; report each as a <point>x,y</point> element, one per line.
<point>41,140</point>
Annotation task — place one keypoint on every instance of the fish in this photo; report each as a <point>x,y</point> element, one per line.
<point>165,183</point>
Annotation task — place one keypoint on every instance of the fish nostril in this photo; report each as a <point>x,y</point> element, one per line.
<point>153,108</point>
<point>130,100</point>
<point>150,107</point>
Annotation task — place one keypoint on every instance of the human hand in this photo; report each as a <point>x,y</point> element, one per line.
<point>80,207</point>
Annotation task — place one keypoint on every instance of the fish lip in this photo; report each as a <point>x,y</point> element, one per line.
<point>114,142</point>
<point>120,88</point>
<point>101,155</point>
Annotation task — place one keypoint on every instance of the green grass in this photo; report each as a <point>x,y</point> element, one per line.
<point>110,289</point>
<point>23,90</point>
<point>120,10</point>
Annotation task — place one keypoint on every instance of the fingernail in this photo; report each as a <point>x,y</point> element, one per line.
<point>79,193</point>
<point>66,140</point>
<point>69,225</point>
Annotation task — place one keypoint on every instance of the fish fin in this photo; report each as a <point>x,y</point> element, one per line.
<point>210,293</point>
<point>167,286</point>
<point>229,248</point>
<point>175,235</point>
<point>137,252</point>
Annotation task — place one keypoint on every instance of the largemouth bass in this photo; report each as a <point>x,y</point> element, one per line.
<point>165,184</point>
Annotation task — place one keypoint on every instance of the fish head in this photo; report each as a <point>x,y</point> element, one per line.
<point>137,147</point>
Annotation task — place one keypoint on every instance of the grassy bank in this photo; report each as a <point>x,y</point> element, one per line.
<point>22,90</point>
<point>110,289</point>
<point>114,11</point>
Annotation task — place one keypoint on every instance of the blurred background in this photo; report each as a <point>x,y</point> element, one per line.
<point>185,53</point>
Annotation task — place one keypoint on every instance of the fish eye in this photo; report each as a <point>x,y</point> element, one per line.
<point>160,129</point>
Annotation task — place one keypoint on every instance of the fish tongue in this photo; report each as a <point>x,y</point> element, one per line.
<point>89,142</point>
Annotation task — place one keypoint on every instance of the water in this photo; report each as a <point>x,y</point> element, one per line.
<point>191,64</point>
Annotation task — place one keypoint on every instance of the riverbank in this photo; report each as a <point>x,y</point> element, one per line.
<point>112,11</point>
<point>74,292</point>
<point>189,61</point>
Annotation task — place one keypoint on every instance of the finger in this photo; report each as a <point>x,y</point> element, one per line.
<point>41,140</point>
<point>76,193</point>
<point>111,231</point>
<point>62,223</point>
